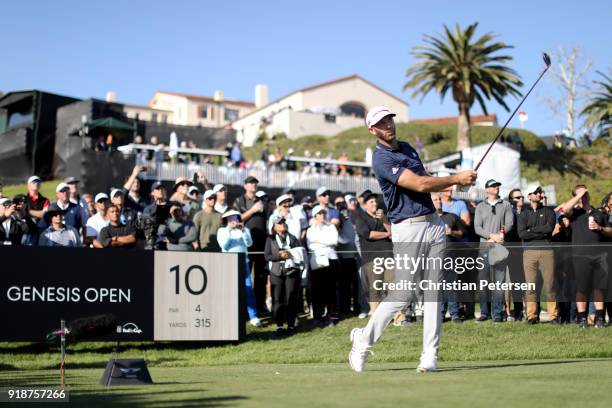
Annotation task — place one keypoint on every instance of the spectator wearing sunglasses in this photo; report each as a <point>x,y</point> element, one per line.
<point>515,258</point>
<point>492,218</point>
<point>332,215</point>
<point>207,222</point>
<point>284,204</point>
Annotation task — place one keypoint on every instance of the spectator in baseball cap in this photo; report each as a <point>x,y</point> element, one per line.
<point>181,194</point>
<point>286,268</point>
<point>361,199</point>
<point>11,230</point>
<point>207,222</point>
<point>36,202</point>
<point>72,212</point>
<point>321,239</point>
<point>221,194</point>
<point>99,220</point>
<point>254,212</point>
<point>234,236</point>
<point>332,214</point>
<point>179,234</point>
<point>58,234</point>
<point>194,193</point>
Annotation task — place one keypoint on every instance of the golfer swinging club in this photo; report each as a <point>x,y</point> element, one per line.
<point>415,227</point>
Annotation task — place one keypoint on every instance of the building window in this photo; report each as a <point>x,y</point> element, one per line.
<point>164,118</point>
<point>230,115</point>
<point>154,117</point>
<point>204,112</point>
<point>330,118</point>
<point>353,109</point>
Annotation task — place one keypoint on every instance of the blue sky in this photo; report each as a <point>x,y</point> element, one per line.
<point>134,48</point>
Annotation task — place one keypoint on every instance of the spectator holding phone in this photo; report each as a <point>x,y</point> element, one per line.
<point>179,234</point>
<point>235,237</point>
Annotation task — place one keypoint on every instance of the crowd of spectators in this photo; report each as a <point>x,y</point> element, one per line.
<point>315,255</point>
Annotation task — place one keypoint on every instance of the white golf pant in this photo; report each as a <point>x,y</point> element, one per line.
<point>426,238</point>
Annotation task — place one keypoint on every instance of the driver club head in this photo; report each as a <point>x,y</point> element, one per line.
<point>546,59</point>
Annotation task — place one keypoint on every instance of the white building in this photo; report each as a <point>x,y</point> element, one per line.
<point>206,111</point>
<point>323,109</point>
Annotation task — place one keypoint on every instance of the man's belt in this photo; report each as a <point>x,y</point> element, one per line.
<point>420,218</point>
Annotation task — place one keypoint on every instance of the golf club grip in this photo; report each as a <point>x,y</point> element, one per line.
<point>510,118</point>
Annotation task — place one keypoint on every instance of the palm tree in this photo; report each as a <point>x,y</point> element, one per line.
<point>458,62</point>
<point>599,110</point>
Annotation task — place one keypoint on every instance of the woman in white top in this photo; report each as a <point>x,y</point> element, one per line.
<point>235,237</point>
<point>321,238</point>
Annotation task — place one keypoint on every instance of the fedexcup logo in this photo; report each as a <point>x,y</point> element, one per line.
<point>129,328</point>
<point>395,169</point>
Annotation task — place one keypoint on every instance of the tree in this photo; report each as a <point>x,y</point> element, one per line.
<point>569,74</point>
<point>467,66</point>
<point>598,111</point>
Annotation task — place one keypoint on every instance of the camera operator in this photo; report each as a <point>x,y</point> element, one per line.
<point>28,226</point>
<point>11,229</point>
<point>178,233</point>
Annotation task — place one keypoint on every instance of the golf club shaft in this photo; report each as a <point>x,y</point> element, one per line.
<point>510,118</point>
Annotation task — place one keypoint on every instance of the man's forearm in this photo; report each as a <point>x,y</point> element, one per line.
<point>427,184</point>
<point>569,205</point>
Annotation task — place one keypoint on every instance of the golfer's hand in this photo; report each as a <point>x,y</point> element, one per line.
<point>466,177</point>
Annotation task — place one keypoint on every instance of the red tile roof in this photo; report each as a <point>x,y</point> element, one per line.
<point>210,99</point>
<point>321,85</point>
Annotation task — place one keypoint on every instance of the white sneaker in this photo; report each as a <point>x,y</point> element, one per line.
<point>255,322</point>
<point>427,364</point>
<point>359,352</point>
<point>362,315</point>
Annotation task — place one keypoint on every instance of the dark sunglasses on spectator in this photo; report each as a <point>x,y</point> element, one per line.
<point>518,197</point>
<point>286,205</point>
<point>325,194</point>
<point>212,198</point>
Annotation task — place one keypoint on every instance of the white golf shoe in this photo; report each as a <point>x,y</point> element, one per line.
<point>427,364</point>
<point>359,351</point>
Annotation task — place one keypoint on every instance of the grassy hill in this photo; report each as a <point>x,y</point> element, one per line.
<point>592,166</point>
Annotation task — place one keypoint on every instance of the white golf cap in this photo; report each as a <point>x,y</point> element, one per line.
<point>208,194</point>
<point>321,190</point>
<point>192,189</point>
<point>34,179</point>
<point>218,187</point>
<point>61,186</point>
<point>276,218</point>
<point>260,194</point>
<point>115,191</point>
<point>349,197</point>
<point>376,114</point>
<point>230,213</point>
<point>4,200</point>
<point>100,196</point>
<point>318,209</point>
<point>282,198</point>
